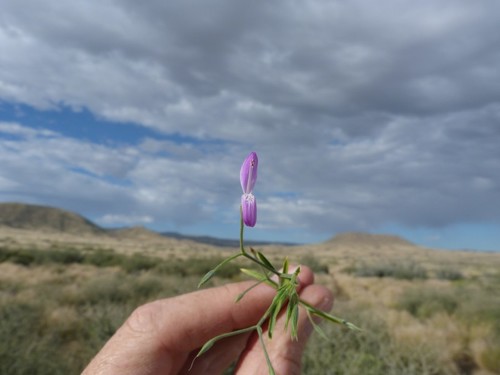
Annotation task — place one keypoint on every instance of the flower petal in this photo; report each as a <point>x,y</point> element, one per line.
<point>249,209</point>
<point>248,173</point>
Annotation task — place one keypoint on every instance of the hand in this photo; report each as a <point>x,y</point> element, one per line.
<point>164,336</point>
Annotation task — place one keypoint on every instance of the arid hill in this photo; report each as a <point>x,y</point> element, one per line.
<point>366,239</point>
<point>30,216</point>
<point>54,220</point>
<point>136,233</point>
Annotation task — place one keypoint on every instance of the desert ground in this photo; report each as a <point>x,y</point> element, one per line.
<point>422,311</point>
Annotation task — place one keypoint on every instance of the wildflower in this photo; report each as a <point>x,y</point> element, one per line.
<point>248,176</point>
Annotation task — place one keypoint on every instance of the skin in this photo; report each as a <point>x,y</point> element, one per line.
<point>164,336</point>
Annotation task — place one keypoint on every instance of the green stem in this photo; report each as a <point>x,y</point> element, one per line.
<point>242,227</point>
<point>244,252</point>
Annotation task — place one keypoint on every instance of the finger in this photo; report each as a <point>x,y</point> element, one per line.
<point>284,352</point>
<point>158,336</point>
<point>226,351</point>
<point>218,358</point>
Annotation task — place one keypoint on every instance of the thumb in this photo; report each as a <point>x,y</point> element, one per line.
<point>284,352</point>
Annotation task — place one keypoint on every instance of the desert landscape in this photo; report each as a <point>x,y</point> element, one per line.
<point>67,284</point>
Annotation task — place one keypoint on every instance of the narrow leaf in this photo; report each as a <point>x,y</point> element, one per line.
<point>266,355</point>
<point>207,277</point>
<point>212,272</point>
<point>212,341</point>
<point>316,327</point>
<point>207,346</point>
<point>333,319</point>
<point>266,261</point>
<point>241,295</point>
<point>285,265</point>
<point>254,274</point>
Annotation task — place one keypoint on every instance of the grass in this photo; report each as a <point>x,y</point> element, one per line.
<point>59,331</point>
<point>372,351</point>
<point>109,258</point>
<point>424,303</point>
<point>59,305</point>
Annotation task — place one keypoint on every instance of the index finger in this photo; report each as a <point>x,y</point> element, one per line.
<point>158,336</point>
<point>198,316</point>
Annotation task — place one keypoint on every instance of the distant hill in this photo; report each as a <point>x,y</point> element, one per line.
<point>30,216</point>
<point>137,232</point>
<point>37,217</point>
<point>366,239</point>
<point>222,242</point>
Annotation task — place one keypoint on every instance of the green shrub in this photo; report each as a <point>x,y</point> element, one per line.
<point>403,270</point>
<point>148,287</point>
<point>106,289</point>
<point>139,262</point>
<point>27,257</point>
<point>67,256</point>
<point>449,274</point>
<point>314,263</point>
<point>424,303</point>
<point>103,258</point>
<point>370,352</point>
<point>490,358</point>
<point>197,267</point>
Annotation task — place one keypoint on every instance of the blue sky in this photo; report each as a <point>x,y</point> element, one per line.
<point>141,114</point>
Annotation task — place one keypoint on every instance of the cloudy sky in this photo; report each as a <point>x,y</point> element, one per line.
<point>380,116</point>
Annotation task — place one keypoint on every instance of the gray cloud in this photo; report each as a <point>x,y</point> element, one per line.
<point>361,113</point>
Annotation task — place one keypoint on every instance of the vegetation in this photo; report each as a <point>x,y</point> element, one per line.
<point>109,258</point>
<point>401,270</point>
<point>59,304</point>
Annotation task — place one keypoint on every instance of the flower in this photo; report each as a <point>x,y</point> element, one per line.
<point>248,176</point>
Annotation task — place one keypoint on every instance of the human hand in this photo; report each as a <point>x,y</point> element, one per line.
<point>164,336</point>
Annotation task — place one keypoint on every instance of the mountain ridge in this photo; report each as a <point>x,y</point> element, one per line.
<point>53,219</point>
<point>33,216</point>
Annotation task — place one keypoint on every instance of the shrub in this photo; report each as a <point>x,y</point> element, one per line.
<point>449,274</point>
<point>197,267</point>
<point>67,256</point>
<point>370,352</point>
<point>423,303</point>
<point>103,258</point>
<point>314,263</point>
<point>404,270</point>
<point>490,358</point>
<point>139,262</point>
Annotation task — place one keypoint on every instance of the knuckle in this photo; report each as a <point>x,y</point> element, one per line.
<point>144,319</point>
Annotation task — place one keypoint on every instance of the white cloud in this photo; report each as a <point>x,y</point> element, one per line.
<point>365,117</point>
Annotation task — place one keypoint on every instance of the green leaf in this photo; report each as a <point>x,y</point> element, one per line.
<point>331,318</point>
<point>207,277</point>
<point>254,274</point>
<point>292,315</point>
<point>276,305</point>
<point>241,295</point>
<point>295,322</point>
<point>316,327</point>
<point>266,261</point>
<point>285,265</point>
<point>207,346</point>
<point>213,340</point>
<point>266,355</point>
<point>212,272</point>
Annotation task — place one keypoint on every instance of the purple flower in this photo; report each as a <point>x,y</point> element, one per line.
<point>248,176</point>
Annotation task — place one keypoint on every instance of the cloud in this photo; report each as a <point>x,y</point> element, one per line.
<point>360,117</point>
